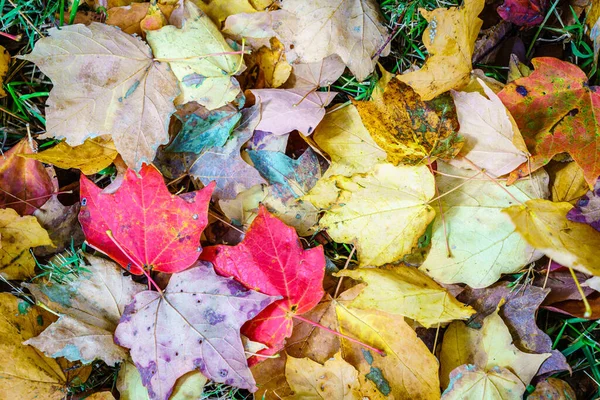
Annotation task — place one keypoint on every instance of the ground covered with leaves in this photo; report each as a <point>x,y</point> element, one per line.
<point>299,199</point>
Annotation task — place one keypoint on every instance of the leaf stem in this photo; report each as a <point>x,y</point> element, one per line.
<point>588,309</point>
<point>313,323</point>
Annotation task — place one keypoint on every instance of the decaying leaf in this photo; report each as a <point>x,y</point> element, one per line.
<point>569,183</point>
<point>25,184</point>
<point>193,325</point>
<point>4,64</point>
<point>409,292</point>
<point>383,231</point>
<point>273,64</point>
<point>243,209</point>
<point>61,224</point>
<point>552,389</point>
<point>128,95</point>
<point>195,55</point>
<point>90,305</point>
<point>17,235</point>
<point>587,209</point>
<point>473,383</point>
<point>129,17</point>
<point>410,130</point>
<point>219,10</point>
<point>336,379</point>
<point>29,374</point>
<point>450,40</point>
<point>483,243</point>
<point>90,157</point>
<point>544,225</point>
<point>311,76</point>
<point>523,12</point>
<point>271,260</point>
<point>129,233</point>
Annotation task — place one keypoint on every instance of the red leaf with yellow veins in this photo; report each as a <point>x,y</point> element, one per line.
<point>272,261</point>
<point>556,112</point>
<point>25,184</point>
<point>142,225</point>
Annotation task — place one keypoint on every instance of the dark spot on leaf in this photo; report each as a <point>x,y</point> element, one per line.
<point>223,373</point>
<point>146,373</point>
<point>367,355</point>
<point>376,376</point>
<point>237,289</point>
<point>200,365</point>
<point>129,309</point>
<point>573,112</point>
<point>212,317</point>
<point>522,90</point>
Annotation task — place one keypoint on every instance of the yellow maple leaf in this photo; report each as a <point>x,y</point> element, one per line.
<point>473,383</point>
<point>569,183</point>
<point>450,40</point>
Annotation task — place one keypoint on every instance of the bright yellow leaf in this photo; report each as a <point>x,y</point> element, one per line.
<point>544,225</point>
<point>409,292</point>
<point>4,63</point>
<point>569,183</point>
<point>450,41</point>
<point>90,157</point>
<point>219,10</point>
<point>273,64</point>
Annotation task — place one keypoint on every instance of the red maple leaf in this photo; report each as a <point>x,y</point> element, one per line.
<point>524,12</point>
<point>142,225</point>
<point>271,260</point>
<point>556,111</point>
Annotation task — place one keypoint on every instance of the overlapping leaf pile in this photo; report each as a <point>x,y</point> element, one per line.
<point>437,184</point>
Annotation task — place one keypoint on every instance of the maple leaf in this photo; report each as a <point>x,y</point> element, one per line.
<point>285,110</point>
<point>224,165</point>
<point>290,180</point>
<point>568,182</point>
<point>90,157</point>
<point>450,42</point>
<point>90,305</point>
<point>383,231</point>
<point>410,130</point>
<point>407,291</point>
<point>552,388</point>
<point>336,379</point>
<point>26,184</point>
<point>193,324</point>
<point>472,382</point>
<point>135,240</point>
<point>128,95</point>
<point>544,225</point>
<point>17,235</point>
<point>523,12</point>
<point>200,58</point>
<point>556,110</point>
<point>488,129</point>
<point>29,374</point>
<point>487,348</point>
<point>587,209</point>
<point>271,260</point>
<point>311,76</point>
<point>483,243</point>
<point>129,17</point>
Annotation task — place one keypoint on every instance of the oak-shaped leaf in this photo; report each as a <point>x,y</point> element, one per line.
<point>127,94</point>
<point>25,184</point>
<point>90,306</point>
<point>557,111</point>
<point>125,224</point>
<point>193,325</point>
<point>271,260</point>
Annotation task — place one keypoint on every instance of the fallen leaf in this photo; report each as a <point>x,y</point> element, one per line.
<point>219,10</point>
<point>396,374</point>
<point>128,17</point>
<point>285,110</point>
<point>408,292</point>
<point>204,128</point>
<point>154,19</point>
<point>342,135</point>
<point>243,209</point>
<point>4,65</point>
<point>524,12</point>
<point>198,307</point>
<point>137,241</point>
<point>225,166</point>
<point>568,182</point>
<point>492,139</point>
<point>90,306</point>
<point>101,396</point>
<point>353,29</point>
<point>273,64</point>
<point>262,140</point>
<point>450,41</point>
<point>17,235</point>
<point>410,130</point>
<point>473,383</point>
<point>562,286</point>
<point>29,374</point>
<point>311,76</point>
<point>254,28</point>
<point>483,242</point>
<point>129,383</point>
<point>90,157</point>
<point>271,260</point>
<point>208,78</point>
<point>290,180</point>
<point>550,124</point>
<point>25,184</point>
<point>544,225</point>
<point>336,379</point>
<point>383,231</point>
<point>587,208</point>
<point>489,347</point>
<point>552,389</point>
<point>576,308</point>
<point>128,95</point>
<point>61,224</point>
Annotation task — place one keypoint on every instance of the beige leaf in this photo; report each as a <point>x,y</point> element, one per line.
<point>473,383</point>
